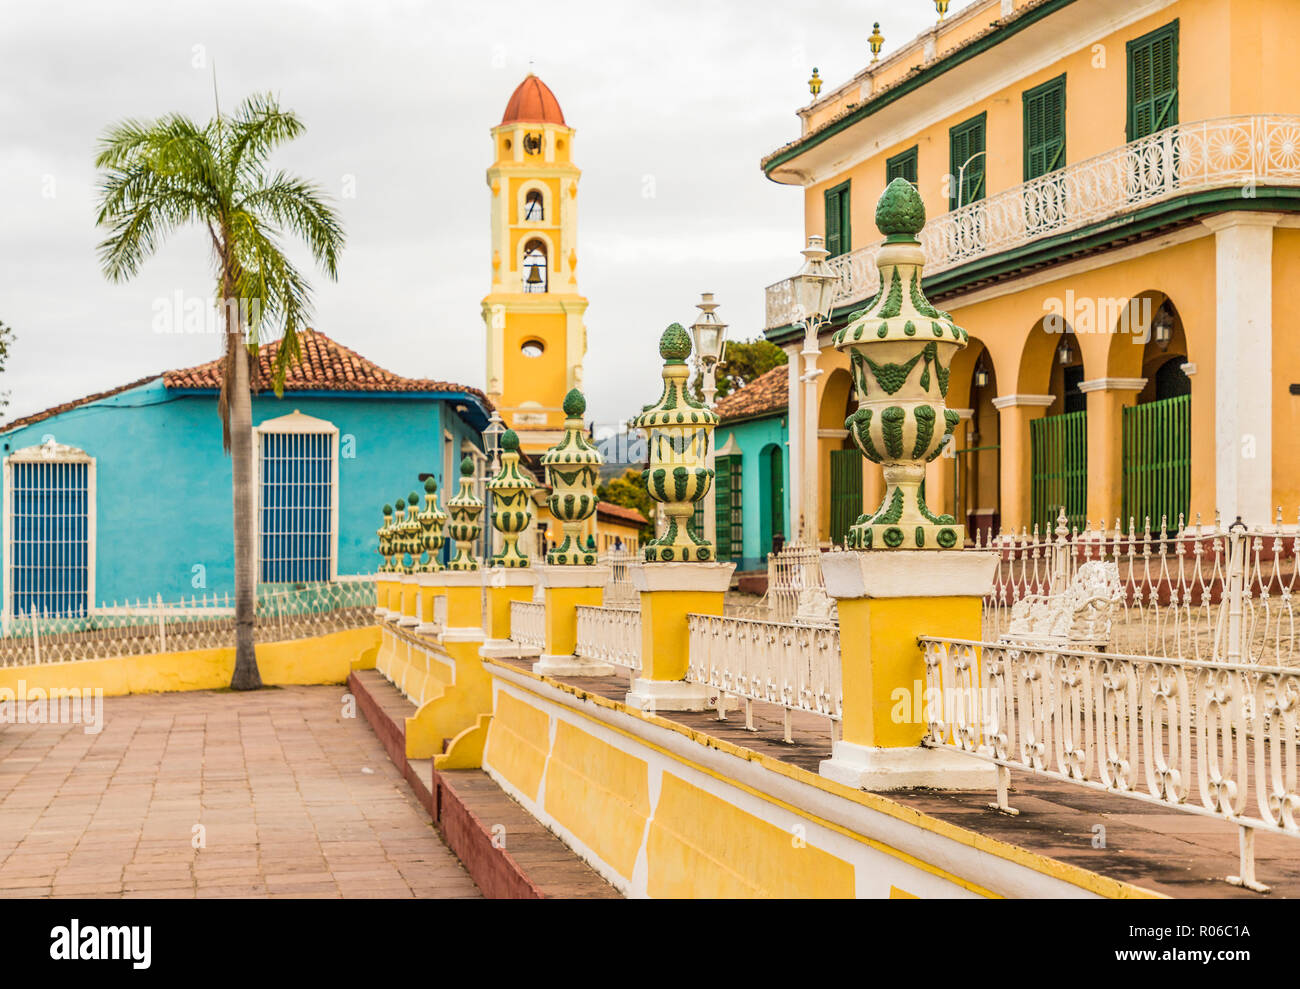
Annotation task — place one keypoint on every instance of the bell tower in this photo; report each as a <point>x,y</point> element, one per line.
<point>536,338</point>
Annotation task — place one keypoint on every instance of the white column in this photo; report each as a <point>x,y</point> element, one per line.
<point>1243,367</point>
<point>794,440</point>
<point>811,503</point>
<point>710,390</point>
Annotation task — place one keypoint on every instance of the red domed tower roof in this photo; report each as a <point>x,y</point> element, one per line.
<point>533,102</point>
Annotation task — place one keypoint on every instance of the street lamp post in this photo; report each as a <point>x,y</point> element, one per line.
<point>710,350</point>
<point>961,172</point>
<point>815,287</point>
<point>492,447</point>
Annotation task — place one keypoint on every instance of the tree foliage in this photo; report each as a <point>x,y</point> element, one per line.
<point>158,176</point>
<point>629,491</point>
<point>6,341</point>
<point>746,360</point>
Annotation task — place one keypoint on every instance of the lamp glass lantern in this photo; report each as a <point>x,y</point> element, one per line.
<point>1064,353</point>
<point>710,333</point>
<point>815,284</point>
<point>492,437</point>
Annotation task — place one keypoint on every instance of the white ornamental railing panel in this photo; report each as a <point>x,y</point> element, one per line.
<point>281,613</point>
<point>610,635</point>
<point>796,667</point>
<point>528,623</point>
<point>1217,739</point>
<point>1224,152</point>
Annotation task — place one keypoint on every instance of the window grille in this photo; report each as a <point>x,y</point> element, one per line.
<point>50,529</point>
<point>296,513</point>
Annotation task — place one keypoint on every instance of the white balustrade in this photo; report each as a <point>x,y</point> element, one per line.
<point>796,667</point>
<point>528,623</point>
<point>207,622</point>
<point>1217,739</point>
<point>1220,153</point>
<point>610,635</point>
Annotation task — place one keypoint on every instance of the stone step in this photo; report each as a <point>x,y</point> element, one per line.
<point>507,852</point>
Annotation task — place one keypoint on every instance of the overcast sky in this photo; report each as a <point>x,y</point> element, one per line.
<point>674,104</point>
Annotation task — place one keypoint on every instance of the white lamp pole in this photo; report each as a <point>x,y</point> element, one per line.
<point>815,287</point>
<point>492,447</point>
<point>710,349</point>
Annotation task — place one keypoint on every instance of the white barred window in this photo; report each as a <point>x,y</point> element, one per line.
<point>297,499</point>
<point>49,531</point>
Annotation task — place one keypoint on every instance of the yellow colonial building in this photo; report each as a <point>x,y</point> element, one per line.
<point>1117,227</point>
<point>533,314</point>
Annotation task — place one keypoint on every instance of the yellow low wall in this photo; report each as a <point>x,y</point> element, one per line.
<point>323,659</point>
<point>661,810</point>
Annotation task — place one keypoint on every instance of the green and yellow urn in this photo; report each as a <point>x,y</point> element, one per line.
<point>901,349</point>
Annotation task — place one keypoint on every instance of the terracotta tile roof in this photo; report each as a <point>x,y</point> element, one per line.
<point>326,365</point>
<point>533,102</point>
<point>768,393</point>
<point>610,510</point>
<point>68,406</point>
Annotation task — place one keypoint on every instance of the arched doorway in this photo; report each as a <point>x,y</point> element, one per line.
<point>842,458</point>
<point>1058,440</point>
<point>1156,438</point>
<point>771,511</point>
<point>976,474</point>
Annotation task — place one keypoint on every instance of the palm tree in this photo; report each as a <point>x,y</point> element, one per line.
<point>158,176</point>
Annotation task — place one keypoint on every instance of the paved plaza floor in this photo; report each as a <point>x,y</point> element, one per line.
<point>284,792</point>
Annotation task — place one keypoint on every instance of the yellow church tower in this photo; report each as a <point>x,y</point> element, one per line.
<point>536,338</point>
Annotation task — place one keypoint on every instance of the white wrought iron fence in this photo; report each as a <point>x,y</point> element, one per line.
<point>1191,592</point>
<point>126,629</point>
<point>610,635</point>
<point>619,590</point>
<point>1189,157</point>
<point>794,666</point>
<point>1217,739</point>
<point>528,623</point>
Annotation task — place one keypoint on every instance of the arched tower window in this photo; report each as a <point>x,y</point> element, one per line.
<point>534,207</point>
<point>535,267</point>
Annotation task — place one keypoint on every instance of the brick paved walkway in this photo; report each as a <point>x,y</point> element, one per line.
<point>294,800</point>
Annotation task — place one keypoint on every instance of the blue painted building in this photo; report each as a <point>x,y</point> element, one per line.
<point>127,494</point>
<point>752,462</point>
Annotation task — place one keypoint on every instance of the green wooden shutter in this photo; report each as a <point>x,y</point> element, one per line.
<point>1153,81</point>
<point>1058,449</point>
<point>722,505</point>
<point>846,492</point>
<point>736,512</point>
<point>1044,108</point>
<point>965,141</point>
<point>838,235</point>
<point>728,507</point>
<point>902,166</point>
<point>1157,462</point>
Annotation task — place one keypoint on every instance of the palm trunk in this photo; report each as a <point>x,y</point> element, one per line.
<point>247,676</point>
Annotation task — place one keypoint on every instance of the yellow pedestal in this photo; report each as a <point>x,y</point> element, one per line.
<point>886,600</point>
<point>670,592</point>
<point>429,590</point>
<point>564,589</point>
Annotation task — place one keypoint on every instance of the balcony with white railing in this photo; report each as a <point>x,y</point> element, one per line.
<point>1223,153</point>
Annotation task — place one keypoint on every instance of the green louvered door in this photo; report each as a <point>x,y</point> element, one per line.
<point>1059,469</point>
<point>846,492</point>
<point>728,502</point>
<point>1158,462</point>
